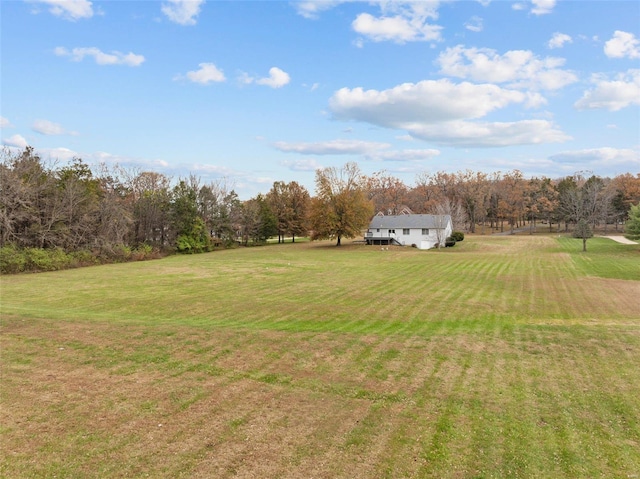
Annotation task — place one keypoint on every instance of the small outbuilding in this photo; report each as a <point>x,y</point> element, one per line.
<point>420,231</point>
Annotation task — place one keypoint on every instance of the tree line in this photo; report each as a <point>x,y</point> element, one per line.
<point>110,210</point>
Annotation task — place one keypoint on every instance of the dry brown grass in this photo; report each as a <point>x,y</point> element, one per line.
<point>81,402</point>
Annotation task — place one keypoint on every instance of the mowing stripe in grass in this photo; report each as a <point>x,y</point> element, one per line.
<point>484,288</point>
<point>497,358</point>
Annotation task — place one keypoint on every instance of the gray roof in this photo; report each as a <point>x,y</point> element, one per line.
<point>410,221</point>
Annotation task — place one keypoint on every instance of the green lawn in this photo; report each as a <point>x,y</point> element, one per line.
<point>512,356</point>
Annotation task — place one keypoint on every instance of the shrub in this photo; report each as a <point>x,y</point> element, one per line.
<point>59,259</point>
<point>15,260</point>
<point>457,235</point>
<point>122,252</point>
<point>12,260</point>
<point>185,244</point>
<point>450,241</point>
<point>142,252</point>
<point>82,258</point>
<point>46,259</point>
<point>20,260</point>
<point>196,240</point>
<point>109,253</point>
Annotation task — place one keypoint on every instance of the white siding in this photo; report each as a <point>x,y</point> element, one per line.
<point>415,236</point>
<point>395,230</point>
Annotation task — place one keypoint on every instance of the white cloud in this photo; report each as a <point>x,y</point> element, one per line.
<point>4,122</point>
<point>396,29</point>
<point>207,73</point>
<point>439,111</point>
<point>245,78</point>
<point>277,78</point>
<point>405,155</point>
<point>474,24</point>
<point>121,160</point>
<point>332,147</point>
<point>517,68</point>
<point>60,153</point>
<point>538,7</point>
<point>215,170</point>
<point>600,157</point>
<point>312,9</point>
<point>358,42</point>
<point>429,101</point>
<point>542,7</point>
<point>16,141</point>
<point>68,9</point>
<point>623,44</point>
<point>612,95</point>
<point>400,22</point>
<point>101,58</point>
<point>182,12</point>
<point>558,40</point>
<point>46,127</point>
<point>302,165</point>
<point>405,138</point>
<point>259,180</point>
<point>370,150</point>
<point>460,133</point>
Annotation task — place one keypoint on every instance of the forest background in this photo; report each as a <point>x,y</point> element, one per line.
<point>56,216</point>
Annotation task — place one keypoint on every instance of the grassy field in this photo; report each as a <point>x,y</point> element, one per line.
<point>501,357</point>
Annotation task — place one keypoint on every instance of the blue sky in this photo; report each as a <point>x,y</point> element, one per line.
<point>262,91</point>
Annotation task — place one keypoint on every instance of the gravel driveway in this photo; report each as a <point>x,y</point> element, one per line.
<point>621,239</point>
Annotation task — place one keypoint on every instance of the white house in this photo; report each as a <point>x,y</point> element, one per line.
<point>423,231</point>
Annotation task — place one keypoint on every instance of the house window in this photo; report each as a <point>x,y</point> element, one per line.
<point>406,232</point>
<point>392,231</point>
<point>425,231</point>
<point>377,230</point>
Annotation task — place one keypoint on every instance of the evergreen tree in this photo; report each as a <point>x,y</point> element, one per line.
<point>632,227</point>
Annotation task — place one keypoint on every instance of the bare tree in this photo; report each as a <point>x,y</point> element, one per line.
<point>152,200</point>
<point>455,211</point>
<point>388,193</point>
<point>473,194</point>
<point>512,199</point>
<point>580,204</point>
<point>115,215</point>
<point>423,197</point>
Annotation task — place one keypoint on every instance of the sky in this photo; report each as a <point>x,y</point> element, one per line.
<point>253,92</point>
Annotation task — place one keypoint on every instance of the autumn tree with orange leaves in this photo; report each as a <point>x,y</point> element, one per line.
<point>340,208</point>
